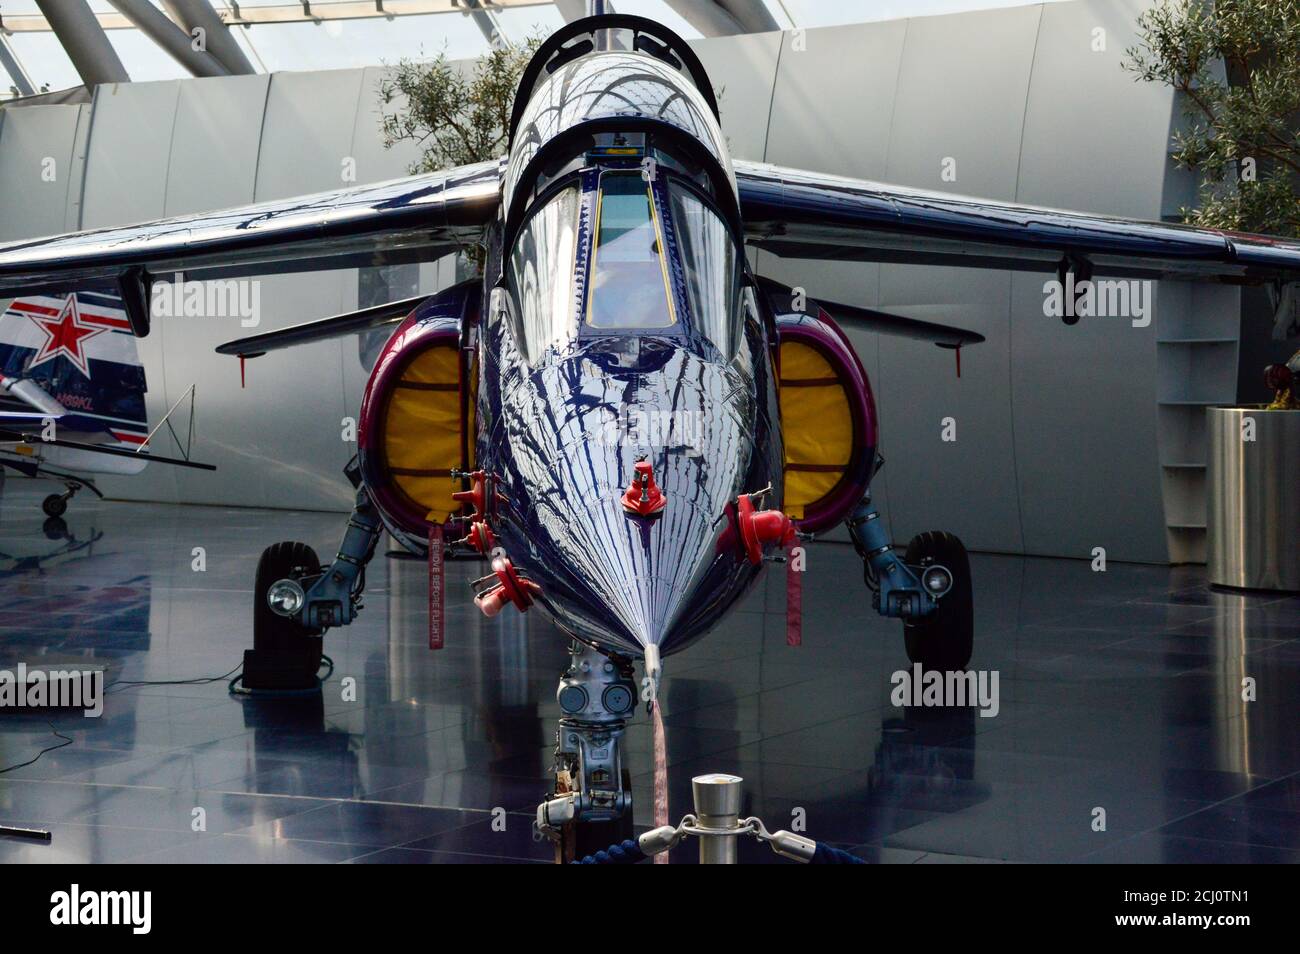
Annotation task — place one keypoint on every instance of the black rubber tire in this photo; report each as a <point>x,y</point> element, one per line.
<point>54,505</point>
<point>945,640</point>
<point>271,631</point>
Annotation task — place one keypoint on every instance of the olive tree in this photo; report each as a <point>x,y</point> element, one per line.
<point>1242,138</point>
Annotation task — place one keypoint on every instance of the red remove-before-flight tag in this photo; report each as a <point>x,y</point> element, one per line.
<point>793,604</point>
<point>437,567</point>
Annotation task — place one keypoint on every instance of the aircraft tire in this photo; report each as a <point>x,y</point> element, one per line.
<point>54,505</point>
<point>943,641</point>
<point>280,561</point>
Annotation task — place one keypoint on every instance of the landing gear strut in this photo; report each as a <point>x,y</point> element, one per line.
<point>929,589</point>
<point>591,806</point>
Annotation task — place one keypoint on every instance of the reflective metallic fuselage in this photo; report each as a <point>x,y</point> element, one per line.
<point>563,432</point>
<point>564,437</point>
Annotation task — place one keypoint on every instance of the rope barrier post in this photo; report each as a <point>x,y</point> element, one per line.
<point>717,806</point>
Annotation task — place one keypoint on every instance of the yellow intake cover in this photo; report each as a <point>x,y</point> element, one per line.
<point>816,423</point>
<point>424,431</point>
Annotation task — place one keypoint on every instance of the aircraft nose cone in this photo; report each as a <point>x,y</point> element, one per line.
<point>610,575</point>
<point>646,570</point>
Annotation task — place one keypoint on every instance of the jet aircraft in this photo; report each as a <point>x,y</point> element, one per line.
<point>619,414</point>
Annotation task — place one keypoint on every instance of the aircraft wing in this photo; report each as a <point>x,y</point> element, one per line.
<point>411,219</point>
<point>798,214</point>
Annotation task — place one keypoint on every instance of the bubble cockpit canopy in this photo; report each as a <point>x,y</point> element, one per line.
<point>625,239</point>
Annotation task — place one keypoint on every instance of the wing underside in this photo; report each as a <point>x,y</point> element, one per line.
<point>798,214</point>
<point>418,218</point>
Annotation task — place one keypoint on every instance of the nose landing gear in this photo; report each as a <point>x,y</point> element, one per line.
<point>591,805</point>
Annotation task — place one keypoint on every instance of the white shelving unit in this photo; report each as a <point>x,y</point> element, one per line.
<point>1198,330</point>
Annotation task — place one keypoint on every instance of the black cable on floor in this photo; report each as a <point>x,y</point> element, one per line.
<point>198,681</point>
<point>66,742</point>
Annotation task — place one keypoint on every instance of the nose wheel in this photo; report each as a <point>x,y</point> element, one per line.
<point>577,839</point>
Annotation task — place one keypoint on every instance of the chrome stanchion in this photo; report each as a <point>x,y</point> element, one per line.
<point>717,807</point>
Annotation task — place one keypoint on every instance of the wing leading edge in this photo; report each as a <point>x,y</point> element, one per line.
<point>412,219</point>
<point>798,214</point>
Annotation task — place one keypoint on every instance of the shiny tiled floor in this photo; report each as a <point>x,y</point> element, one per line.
<point>1119,691</point>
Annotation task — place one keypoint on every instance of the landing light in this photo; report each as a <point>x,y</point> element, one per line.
<point>285,597</point>
<point>937,580</point>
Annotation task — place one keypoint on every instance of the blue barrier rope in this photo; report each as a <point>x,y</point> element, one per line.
<point>629,853</point>
<point>624,853</point>
<point>826,855</point>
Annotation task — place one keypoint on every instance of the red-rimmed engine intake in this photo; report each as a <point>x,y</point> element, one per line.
<point>828,420</point>
<point>417,416</point>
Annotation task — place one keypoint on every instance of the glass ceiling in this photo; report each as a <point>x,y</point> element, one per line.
<point>304,44</point>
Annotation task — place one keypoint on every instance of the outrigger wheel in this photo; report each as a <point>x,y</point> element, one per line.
<point>286,655</point>
<point>943,640</point>
<point>55,505</point>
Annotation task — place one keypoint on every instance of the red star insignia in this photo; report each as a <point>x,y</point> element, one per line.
<point>65,336</point>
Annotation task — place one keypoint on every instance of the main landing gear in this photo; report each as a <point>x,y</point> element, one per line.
<point>591,805</point>
<point>295,601</point>
<point>929,589</point>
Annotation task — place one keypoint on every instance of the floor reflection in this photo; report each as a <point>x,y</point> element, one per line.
<point>1138,691</point>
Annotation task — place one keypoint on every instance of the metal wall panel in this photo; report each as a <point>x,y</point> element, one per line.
<point>743,71</point>
<point>851,76</point>
<point>125,180</point>
<point>956,127</point>
<point>307,146</point>
<point>36,169</point>
<point>1085,396</point>
<point>213,164</point>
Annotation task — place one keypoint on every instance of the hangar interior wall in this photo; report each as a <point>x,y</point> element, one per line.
<point>1067,438</point>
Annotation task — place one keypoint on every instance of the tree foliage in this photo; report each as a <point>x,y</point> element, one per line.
<point>456,116</point>
<point>1237,65</point>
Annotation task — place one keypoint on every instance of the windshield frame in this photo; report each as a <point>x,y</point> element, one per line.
<point>664,258</point>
